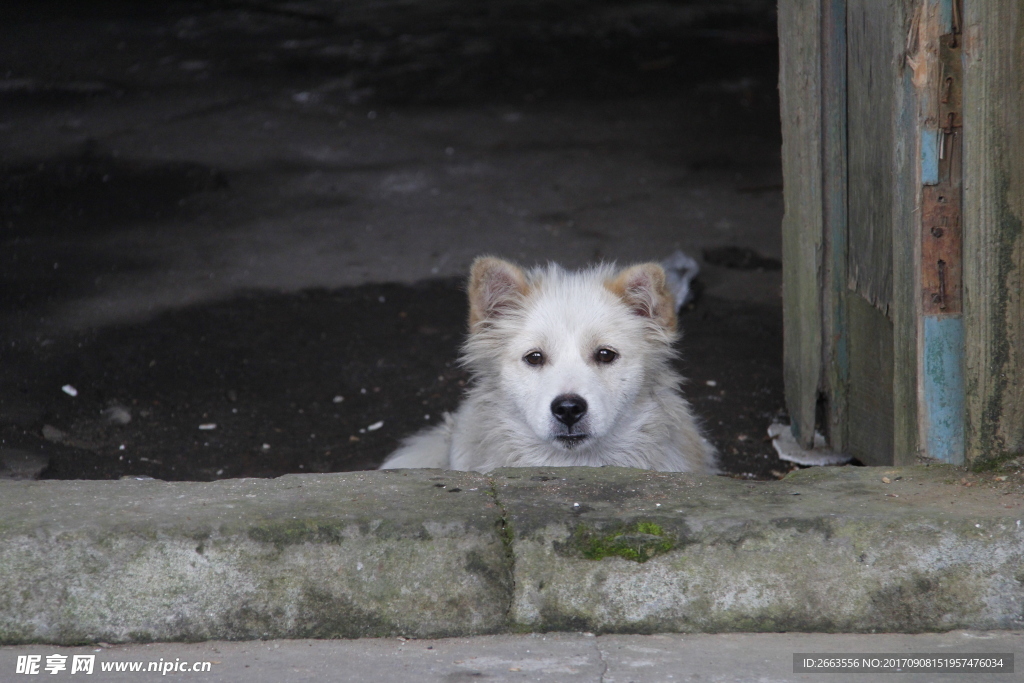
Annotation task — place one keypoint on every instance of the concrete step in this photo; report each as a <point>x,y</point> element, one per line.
<point>434,553</point>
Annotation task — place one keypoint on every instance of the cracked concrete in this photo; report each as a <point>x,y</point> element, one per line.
<point>429,553</point>
<point>507,538</point>
<point>601,660</point>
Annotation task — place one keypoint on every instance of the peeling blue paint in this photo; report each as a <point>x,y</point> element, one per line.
<point>929,156</point>
<point>946,16</point>
<point>944,388</point>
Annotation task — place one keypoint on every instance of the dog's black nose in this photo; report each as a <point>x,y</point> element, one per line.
<point>569,408</point>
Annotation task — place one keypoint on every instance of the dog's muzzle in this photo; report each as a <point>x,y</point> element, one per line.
<point>571,441</point>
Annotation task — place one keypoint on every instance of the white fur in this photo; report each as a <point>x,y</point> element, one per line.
<point>635,415</point>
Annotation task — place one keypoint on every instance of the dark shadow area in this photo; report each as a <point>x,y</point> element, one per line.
<point>291,383</point>
<point>96,192</point>
<point>265,385</point>
<point>437,51</point>
<point>176,169</point>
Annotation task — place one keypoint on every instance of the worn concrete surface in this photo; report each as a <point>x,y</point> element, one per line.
<point>830,550</point>
<point>552,658</point>
<point>317,556</point>
<point>431,553</point>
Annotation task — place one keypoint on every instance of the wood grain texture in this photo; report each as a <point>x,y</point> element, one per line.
<point>872,68</point>
<point>835,325</point>
<point>994,228</point>
<point>871,384</point>
<point>907,122</point>
<point>880,186</point>
<point>800,95</point>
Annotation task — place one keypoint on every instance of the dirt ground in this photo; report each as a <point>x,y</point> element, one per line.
<point>236,231</point>
<point>294,383</point>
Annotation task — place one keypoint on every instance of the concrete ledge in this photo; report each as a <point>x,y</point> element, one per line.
<point>430,553</point>
<point>826,550</point>
<point>320,556</point>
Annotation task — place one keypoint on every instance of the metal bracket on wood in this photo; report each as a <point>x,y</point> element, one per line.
<point>941,203</point>
<point>941,251</point>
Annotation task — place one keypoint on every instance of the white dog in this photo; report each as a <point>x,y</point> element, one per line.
<point>568,369</point>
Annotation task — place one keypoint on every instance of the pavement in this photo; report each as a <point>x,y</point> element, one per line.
<point>550,657</point>
<point>181,153</point>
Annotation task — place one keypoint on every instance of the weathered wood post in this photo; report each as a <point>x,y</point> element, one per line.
<point>800,95</point>
<point>903,252</point>
<point>994,227</point>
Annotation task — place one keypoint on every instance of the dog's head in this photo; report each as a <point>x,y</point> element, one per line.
<point>570,352</point>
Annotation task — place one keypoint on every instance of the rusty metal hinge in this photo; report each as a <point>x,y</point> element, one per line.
<point>941,253</point>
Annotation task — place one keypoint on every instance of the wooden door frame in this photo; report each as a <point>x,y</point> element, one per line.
<point>957,363</point>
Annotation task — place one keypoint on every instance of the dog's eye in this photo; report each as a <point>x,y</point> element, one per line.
<point>605,355</point>
<point>534,358</point>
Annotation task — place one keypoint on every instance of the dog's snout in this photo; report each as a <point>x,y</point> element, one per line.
<point>569,408</point>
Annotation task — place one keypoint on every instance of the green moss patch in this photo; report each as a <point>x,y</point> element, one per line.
<point>295,532</point>
<point>639,542</point>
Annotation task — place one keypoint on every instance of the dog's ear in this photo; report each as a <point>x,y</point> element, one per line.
<point>645,291</point>
<point>495,287</point>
